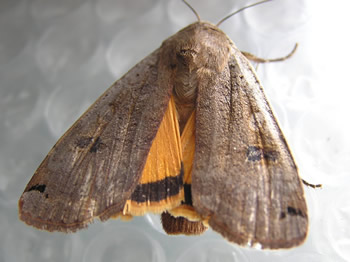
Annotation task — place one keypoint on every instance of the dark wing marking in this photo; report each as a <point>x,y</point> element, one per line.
<point>244,176</point>
<point>94,168</point>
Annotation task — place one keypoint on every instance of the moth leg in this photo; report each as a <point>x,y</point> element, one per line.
<point>311,185</point>
<point>263,60</point>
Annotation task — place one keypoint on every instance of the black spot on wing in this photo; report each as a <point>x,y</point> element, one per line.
<point>271,155</point>
<point>96,145</point>
<point>283,215</point>
<point>295,212</point>
<point>255,153</point>
<point>37,187</point>
<point>85,142</point>
<point>292,212</point>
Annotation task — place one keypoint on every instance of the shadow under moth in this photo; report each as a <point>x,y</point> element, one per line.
<point>186,133</point>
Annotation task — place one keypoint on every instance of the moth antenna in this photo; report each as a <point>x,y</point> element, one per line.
<point>239,10</point>
<point>194,11</point>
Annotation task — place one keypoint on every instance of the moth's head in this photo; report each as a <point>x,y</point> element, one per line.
<point>199,45</point>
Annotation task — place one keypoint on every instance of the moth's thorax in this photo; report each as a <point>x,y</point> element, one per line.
<point>195,54</point>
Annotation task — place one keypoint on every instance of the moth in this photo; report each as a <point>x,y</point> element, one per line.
<point>186,133</point>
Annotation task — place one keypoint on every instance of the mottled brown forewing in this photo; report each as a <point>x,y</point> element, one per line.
<point>244,177</point>
<point>94,168</point>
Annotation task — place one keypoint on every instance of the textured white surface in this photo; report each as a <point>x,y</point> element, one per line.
<point>57,57</point>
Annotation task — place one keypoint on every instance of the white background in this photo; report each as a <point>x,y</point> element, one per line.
<point>57,57</point>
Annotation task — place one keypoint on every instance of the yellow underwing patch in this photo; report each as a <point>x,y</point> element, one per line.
<point>164,158</point>
<point>188,147</point>
<point>161,184</point>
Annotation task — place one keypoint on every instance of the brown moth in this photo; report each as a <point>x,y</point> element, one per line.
<point>188,133</point>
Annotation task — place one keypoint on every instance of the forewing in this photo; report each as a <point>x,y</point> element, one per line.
<point>244,176</point>
<point>94,168</point>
